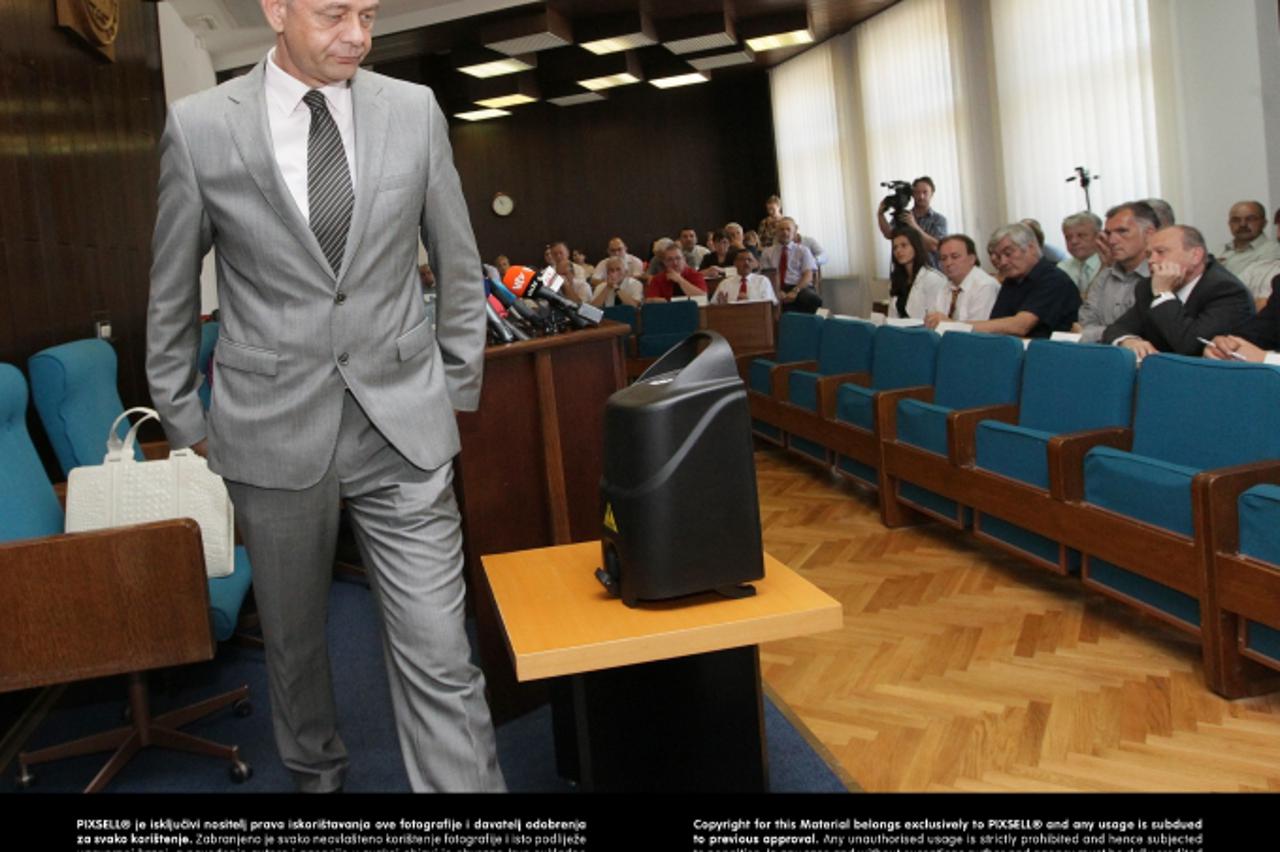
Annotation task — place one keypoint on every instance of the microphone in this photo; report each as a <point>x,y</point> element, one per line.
<point>511,303</point>
<point>581,315</point>
<point>503,331</point>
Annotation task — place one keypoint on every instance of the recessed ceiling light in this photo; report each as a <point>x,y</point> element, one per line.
<point>575,100</point>
<point>481,114</point>
<point>689,79</point>
<point>496,68</point>
<point>506,101</point>
<point>608,81</point>
<point>773,42</point>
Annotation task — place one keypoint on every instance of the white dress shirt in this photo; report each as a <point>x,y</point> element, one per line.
<point>290,122</point>
<point>759,289</point>
<point>931,293</point>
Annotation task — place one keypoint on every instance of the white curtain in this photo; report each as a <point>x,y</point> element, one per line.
<point>908,106</point>
<point>810,162</point>
<point>1075,89</point>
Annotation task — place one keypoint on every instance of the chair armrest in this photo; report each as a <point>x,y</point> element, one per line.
<point>828,385</point>
<point>779,377</point>
<point>1066,458</point>
<point>886,408</point>
<point>962,428</point>
<point>1216,495</point>
<point>744,362</point>
<point>154,450</point>
<point>117,600</point>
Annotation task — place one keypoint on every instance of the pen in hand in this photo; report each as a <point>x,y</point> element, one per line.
<point>1235,355</point>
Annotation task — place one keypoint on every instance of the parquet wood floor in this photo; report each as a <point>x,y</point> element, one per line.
<point>960,668</point>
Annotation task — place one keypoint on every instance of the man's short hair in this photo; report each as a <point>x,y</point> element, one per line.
<point>718,235</point>
<point>924,179</point>
<point>969,246</point>
<point>1019,234</point>
<point>732,225</point>
<point>1164,211</point>
<point>1084,217</point>
<point>1141,210</point>
<point>1262,210</point>
<point>789,219</point>
<point>1191,237</point>
<point>614,260</point>
<point>773,199</point>
<point>559,243</point>
<point>695,231</point>
<point>673,246</point>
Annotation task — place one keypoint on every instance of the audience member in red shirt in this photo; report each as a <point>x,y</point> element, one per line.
<point>675,279</point>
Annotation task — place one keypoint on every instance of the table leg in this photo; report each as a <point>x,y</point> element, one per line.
<point>690,724</point>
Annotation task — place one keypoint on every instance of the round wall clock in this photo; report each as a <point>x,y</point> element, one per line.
<point>503,204</point>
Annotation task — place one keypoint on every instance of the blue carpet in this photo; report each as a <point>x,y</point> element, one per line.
<point>525,745</point>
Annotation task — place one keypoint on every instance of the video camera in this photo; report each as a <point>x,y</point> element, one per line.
<point>900,198</point>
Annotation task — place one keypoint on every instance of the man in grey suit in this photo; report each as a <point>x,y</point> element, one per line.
<point>313,180</point>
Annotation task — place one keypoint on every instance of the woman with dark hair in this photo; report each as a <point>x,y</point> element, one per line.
<point>910,269</point>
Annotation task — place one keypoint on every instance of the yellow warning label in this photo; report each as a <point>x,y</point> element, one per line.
<point>609,522</point>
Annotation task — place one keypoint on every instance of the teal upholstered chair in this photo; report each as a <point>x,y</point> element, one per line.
<point>901,358</point>
<point>1066,388</point>
<point>799,342</point>
<point>845,350</point>
<point>31,523</point>
<point>1193,416</point>
<point>204,361</point>
<point>663,325</point>
<point>74,388</point>
<point>975,371</point>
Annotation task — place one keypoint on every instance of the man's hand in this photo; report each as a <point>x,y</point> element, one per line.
<point>1225,347</point>
<point>201,448</point>
<point>1166,277</point>
<point>1104,249</point>
<point>932,319</point>
<point>722,297</point>
<point>1141,348</point>
<point>790,295</point>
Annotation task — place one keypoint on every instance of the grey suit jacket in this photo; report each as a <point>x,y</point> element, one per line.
<point>293,334</point>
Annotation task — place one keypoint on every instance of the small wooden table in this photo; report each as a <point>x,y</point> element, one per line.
<point>665,696</point>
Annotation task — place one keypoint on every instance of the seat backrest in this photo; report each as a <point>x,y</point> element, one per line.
<point>799,337</point>
<point>977,369</point>
<point>1206,414</point>
<point>669,318</point>
<point>846,346</point>
<point>28,506</point>
<point>204,361</point>
<point>74,389</point>
<point>1070,387</point>
<point>623,313</point>
<point>903,357</point>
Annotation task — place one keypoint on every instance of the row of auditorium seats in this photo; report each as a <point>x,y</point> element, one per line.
<point>74,389</point>
<point>1158,486</point>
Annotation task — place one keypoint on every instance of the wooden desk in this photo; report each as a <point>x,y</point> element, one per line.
<point>665,696</point>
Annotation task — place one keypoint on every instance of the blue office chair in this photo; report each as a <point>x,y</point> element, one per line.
<point>974,371</point>
<point>74,389</point>
<point>663,325</point>
<point>1066,388</point>
<point>799,341</point>
<point>845,350</point>
<point>31,523</point>
<point>902,358</point>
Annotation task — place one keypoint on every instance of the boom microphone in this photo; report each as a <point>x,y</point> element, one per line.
<point>581,315</point>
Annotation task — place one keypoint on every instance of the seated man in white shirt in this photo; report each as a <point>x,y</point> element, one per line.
<point>747,286</point>
<point>1080,232</point>
<point>618,288</point>
<point>794,269</point>
<point>575,285</point>
<point>968,292</point>
<point>634,266</point>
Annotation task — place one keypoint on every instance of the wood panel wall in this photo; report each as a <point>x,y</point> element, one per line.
<point>643,164</point>
<point>78,169</point>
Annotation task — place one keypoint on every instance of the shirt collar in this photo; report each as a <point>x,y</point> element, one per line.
<point>285,91</point>
<point>1184,292</point>
<point>1258,243</point>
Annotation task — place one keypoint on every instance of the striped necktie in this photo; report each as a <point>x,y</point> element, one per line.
<point>329,195</point>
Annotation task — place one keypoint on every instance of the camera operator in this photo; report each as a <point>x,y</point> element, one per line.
<point>931,224</point>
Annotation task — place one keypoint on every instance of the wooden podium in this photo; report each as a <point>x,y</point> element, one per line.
<point>530,467</point>
<point>662,697</point>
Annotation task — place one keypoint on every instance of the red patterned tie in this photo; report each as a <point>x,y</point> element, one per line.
<point>742,288</point>
<point>782,268</point>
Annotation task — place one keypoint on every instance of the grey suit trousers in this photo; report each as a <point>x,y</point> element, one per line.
<point>408,529</point>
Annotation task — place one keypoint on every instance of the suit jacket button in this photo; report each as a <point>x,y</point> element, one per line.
<point>340,297</point>
<point>343,359</point>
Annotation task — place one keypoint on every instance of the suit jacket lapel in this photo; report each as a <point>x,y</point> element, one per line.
<point>247,121</point>
<point>371,116</point>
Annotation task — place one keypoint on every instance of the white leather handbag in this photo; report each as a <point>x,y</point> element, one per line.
<point>123,490</point>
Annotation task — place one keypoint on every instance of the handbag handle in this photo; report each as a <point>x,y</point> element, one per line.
<point>117,449</point>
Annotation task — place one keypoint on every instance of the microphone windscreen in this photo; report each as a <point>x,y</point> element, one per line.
<point>518,279</point>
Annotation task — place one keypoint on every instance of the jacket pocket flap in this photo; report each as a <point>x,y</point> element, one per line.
<point>414,340</point>
<point>240,356</point>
